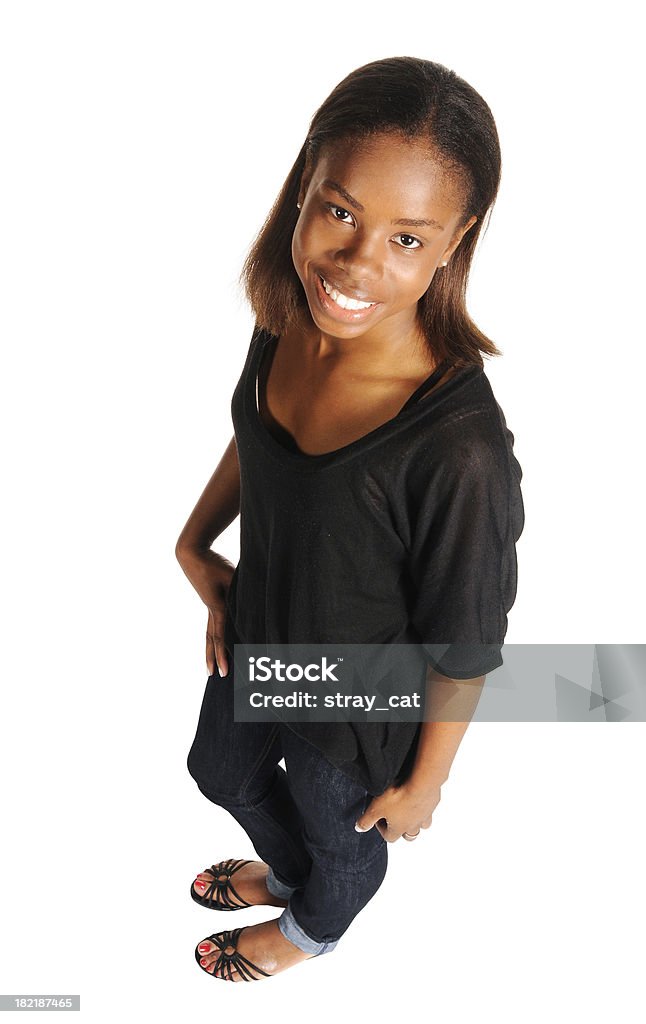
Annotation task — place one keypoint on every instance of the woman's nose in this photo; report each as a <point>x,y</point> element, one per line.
<point>361,261</point>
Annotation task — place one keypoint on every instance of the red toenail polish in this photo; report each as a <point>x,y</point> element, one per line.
<point>199,885</point>
<point>203,962</point>
<point>203,949</point>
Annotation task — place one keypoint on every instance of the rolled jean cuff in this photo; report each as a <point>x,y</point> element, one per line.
<point>293,931</point>
<point>278,888</point>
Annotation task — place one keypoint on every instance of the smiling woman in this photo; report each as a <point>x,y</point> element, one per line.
<point>446,191</point>
<point>379,499</point>
<point>389,182</point>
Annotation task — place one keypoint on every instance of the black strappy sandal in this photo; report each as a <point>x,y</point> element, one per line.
<point>216,896</point>
<point>227,961</point>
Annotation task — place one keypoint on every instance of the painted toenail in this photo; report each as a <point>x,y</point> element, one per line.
<point>203,948</point>
<point>203,962</point>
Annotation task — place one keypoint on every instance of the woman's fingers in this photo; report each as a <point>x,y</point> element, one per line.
<point>211,644</point>
<point>221,654</point>
<point>216,652</point>
<point>387,831</point>
<point>210,648</point>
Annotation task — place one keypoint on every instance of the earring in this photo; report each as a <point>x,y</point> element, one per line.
<point>444,264</point>
<point>298,205</point>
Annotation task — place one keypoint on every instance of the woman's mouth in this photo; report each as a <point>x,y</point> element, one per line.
<point>342,307</point>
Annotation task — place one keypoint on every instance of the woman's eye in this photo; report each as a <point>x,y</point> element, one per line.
<point>340,213</point>
<point>407,239</point>
<point>339,209</point>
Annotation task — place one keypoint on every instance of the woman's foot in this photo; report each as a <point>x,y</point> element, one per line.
<point>249,882</point>
<point>263,944</point>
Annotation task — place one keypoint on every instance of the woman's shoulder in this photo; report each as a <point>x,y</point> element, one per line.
<point>464,436</point>
<point>466,414</point>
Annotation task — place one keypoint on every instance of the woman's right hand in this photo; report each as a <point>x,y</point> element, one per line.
<point>211,575</point>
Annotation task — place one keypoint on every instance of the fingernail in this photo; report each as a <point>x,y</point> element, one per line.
<point>357,829</point>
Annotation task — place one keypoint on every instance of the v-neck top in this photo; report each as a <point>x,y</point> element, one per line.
<point>262,349</point>
<point>262,369</point>
<point>405,535</point>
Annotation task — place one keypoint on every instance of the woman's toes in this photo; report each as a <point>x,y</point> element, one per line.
<point>208,964</point>
<point>226,969</point>
<point>209,955</point>
<point>207,952</point>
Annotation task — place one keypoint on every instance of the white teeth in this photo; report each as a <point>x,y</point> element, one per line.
<point>342,300</point>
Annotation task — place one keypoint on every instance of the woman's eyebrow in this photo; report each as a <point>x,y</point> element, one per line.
<point>406,221</point>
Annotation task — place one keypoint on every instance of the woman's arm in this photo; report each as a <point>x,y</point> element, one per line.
<point>208,572</point>
<point>218,506</point>
<point>450,706</point>
<point>409,807</point>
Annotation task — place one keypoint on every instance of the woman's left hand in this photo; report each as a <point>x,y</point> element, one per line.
<point>401,809</point>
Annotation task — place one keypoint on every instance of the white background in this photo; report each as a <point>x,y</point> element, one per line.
<point>143,144</point>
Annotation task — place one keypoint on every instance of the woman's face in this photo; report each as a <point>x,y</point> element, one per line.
<point>376,220</point>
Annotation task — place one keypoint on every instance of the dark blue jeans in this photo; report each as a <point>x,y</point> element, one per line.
<point>300,821</point>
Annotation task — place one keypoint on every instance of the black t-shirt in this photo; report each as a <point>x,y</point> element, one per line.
<point>406,535</point>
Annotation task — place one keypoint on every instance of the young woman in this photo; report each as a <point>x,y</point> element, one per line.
<point>379,499</point>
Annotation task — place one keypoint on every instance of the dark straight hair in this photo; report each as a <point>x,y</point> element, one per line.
<point>418,99</point>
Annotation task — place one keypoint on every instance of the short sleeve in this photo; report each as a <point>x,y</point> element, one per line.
<point>467,514</point>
